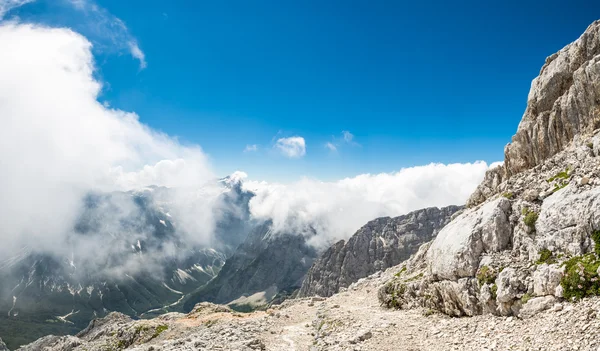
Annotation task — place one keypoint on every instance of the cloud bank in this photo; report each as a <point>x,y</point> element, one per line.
<point>59,143</point>
<point>337,209</point>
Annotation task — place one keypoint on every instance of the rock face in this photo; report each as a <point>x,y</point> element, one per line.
<point>456,251</point>
<point>3,346</point>
<point>564,101</point>
<point>531,234</point>
<point>380,244</point>
<point>265,261</point>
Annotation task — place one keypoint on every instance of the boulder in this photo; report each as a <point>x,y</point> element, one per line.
<point>456,251</point>
<point>537,305</point>
<point>546,279</point>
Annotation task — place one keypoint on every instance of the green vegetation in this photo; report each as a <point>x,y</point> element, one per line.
<point>402,270</point>
<point>395,291</point>
<point>546,256</point>
<point>560,175</point>
<point>416,277</point>
<point>581,273</point>
<point>494,291</point>
<point>559,186</point>
<point>530,217</point>
<point>526,298</point>
<point>561,178</point>
<point>486,275</point>
<point>508,195</point>
<point>161,328</point>
<point>590,145</point>
<point>596,238</point>
<point>580,279</point>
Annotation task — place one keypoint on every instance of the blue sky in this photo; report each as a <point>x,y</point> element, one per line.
<point>414,82</point>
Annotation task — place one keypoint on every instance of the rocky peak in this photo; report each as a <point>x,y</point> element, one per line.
<point>531,236</point>
<point>564,101</point>
<point>378,245</point>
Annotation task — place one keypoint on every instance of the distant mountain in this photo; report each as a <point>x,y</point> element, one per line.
<point>378,245</point>
<point>266,264</point>
<point>139,264</point>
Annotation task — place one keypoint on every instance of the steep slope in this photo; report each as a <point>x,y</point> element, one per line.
<point>266,262</point>
<point>563,101</point>
<point>378,245</point>
<point>532,235</point>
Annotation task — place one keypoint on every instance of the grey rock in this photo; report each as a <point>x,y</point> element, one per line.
<point>380,244</point>
<point>488,187</point>
<point>537,305</point>
<point>567,218</point>
<point>563,102</point>
<point>456,251</point>
<point>546,279</point>
<point>3,346</point>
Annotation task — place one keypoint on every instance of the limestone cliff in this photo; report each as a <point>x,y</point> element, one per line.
<point>378,245</point>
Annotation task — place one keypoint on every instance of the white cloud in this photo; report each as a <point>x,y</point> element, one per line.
<point>330,146</point>
<point>251,148</point>
<point>292,147</point>
<point>7,5</point>
<point>348,137</point>
<point>338,209</point>
<point>107,32</point>
<point>59,142</point>
<point>137,53</point>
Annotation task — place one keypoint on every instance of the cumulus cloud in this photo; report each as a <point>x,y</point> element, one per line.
<point>292,147</point>
<point>337,209</point>
<point>59,143</point>
<point>251,148</point>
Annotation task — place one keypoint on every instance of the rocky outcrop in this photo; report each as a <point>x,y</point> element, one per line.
<point>564,101</point>
<point>488,187</point>
<point>531,234</point>
<point>380,244</point>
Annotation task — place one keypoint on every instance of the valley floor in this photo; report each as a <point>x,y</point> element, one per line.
<point>350,320</point>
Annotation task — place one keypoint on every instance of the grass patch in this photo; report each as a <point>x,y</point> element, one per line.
<point>508,195</point>
<point>560,175</point>
<point>486,275</point>
<point>596,238</point>
<point>494,291</point>
<point>159,330</point>
<point>530,217</point>
<point>402,270</point>
<point>526,298</point>
<point>559,186</point>
<point>546,256</point>
<point>416,277</point>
